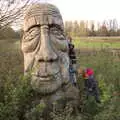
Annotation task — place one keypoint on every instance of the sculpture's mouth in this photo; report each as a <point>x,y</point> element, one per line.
<point>46,78</point>
<point>46,84</point>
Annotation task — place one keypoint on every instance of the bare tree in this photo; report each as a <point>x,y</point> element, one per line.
<point>11,10</point>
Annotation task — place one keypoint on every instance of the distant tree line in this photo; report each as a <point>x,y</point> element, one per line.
<point>74,28</point>
<point>91,28</point>
<point>10,33</point>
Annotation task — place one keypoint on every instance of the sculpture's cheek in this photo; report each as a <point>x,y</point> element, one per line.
<point>31,40</point>
<point>59,45</point>
<point>58,39</point>
<point>64,63</point>
<point>31,45</point>
<point>28,61</point>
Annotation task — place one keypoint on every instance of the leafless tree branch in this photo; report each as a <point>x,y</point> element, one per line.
<point>12,10</point>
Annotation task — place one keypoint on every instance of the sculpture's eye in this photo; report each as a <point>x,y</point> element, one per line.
<point>58,39</point>
<point>58,33</point>
<point>31,39</point>
<point>31,34</point>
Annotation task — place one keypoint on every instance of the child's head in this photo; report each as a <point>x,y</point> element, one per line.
<point>89,71</point>
<point>85,72</point>
<point>69,38</point>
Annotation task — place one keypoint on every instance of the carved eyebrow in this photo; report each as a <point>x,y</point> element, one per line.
<point>33,27</point>
<point>50,26</point>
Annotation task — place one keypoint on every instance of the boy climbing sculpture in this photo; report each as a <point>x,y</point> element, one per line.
<point>72,58</point>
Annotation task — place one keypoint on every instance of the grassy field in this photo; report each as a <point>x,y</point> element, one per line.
<point>11,59</point>
<point>97,42</point>
<point>107,72</point>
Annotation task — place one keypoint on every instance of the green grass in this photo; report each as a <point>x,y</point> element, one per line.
<point>11,60</point>
<point>112,39</point>
<point>97,42</point>
<point>9,45</point>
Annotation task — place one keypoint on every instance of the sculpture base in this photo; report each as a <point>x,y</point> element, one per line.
<point>42,106</point>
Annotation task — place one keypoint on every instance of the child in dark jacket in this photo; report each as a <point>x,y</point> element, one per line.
<point>91,85</point>
<point>72,58</point>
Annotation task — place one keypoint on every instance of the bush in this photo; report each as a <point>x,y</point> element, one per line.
<point>15,99</point>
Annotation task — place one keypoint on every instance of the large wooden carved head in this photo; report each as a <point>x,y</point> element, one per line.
<point>45,48</point>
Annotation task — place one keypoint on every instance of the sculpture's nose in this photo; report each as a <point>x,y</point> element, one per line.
<point>45,52</point>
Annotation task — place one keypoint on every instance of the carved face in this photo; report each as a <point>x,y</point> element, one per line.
<point>45,48</point>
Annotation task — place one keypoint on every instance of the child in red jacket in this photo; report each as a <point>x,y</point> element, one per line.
<point>91,85</point>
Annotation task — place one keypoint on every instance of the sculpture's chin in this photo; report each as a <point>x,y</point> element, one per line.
<point>46,85</point>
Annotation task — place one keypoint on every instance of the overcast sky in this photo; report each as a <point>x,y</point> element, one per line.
<point>97,10</point>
